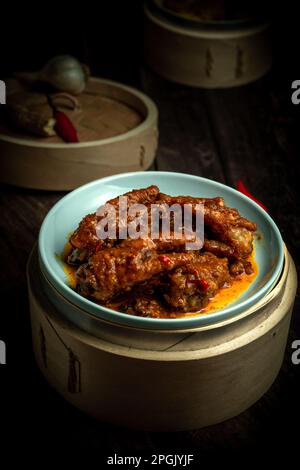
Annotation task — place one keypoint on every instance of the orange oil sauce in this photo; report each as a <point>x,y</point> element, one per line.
<point>225,296</point>
<point>229,294</point>
<point>69,270</point>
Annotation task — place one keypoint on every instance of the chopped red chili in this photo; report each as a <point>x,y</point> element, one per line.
<point>201,283</point>
<point>164,259</point>
<point>195,272</point>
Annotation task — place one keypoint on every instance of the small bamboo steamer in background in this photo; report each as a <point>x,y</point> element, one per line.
<point>208,57</point>
<point>163,380</point>
<point>43,163</point>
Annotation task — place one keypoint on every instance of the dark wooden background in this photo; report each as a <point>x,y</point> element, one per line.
<point>250,132</point>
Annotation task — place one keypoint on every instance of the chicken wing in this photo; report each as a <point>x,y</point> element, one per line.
<point>224,222</point>
<point>114,270</point>
<point>85,240</point>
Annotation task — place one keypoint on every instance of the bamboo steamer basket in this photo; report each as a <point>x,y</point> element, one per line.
<point>35,163</point>
<point>206,57</point>
<point>165,380</point>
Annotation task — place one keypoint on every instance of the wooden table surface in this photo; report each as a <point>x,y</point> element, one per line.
<point>248,132</point>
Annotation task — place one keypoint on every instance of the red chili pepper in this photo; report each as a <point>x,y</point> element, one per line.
<point>242,189</point>
<point>165,259</point>
<point>64,127</point>
<point>195,272</point>
<point>201,283</point>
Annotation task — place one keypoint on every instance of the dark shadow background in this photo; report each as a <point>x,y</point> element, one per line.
<point>109,40</point>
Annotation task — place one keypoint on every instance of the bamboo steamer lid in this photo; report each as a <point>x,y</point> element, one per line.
<point>182,380</point>
<point>206,57</point>
<point>118,133</point>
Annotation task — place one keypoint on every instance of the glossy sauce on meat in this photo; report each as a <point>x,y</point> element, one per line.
<point>158,276</point>
<point>231,293</point>
<point>221,299</point>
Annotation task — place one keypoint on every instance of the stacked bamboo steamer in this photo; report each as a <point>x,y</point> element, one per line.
<point>166,380</point>
<point>206,54</point>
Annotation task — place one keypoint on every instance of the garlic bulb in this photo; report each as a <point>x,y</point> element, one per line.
<point>63,72</point>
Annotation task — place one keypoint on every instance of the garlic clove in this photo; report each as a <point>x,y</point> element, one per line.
<point>64,73</point>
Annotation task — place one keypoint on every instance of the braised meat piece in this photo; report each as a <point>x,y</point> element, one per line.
<point>114,270</point>
<point>231,229</point>
<point>219,249</point>
<point>85,240</point>
<point>159,275</point>
<point>166,199</point>
<point>192,285</point>
<point>240,266</point>
<point>143,299</point>
<point>224,222</point>
<point>172,243</point>
<point>144,306</point>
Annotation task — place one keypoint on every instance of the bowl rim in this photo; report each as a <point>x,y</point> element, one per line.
<point>123,318</point>
<point>273,293</point>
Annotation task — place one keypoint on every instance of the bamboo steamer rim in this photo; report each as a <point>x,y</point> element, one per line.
<point>81,337</point>
<point>190,20</point>
<point>149,120</point>
<point>204,33</point>
<point>235,318</point>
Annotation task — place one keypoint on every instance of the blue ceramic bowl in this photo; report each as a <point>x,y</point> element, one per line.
<point>64,217</point>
